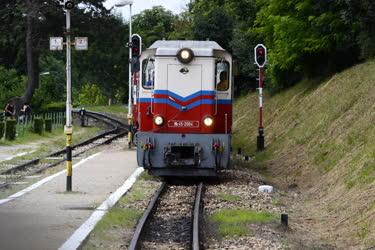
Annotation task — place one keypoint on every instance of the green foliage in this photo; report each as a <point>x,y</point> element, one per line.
<point>38,125</point>
<point>217,25</point>
<point>48,125</point>
<point>2,129</point>
<point>53,107</point>
<point>11,85</point>
<point>11,129</point>
<point>182,27</point>
<point>360,14</point>
<point>154,24</point>
<point>91,94</point>
<point>304,37</point>
<point>103,63</point>
<point>228,197</point>
<point>126,217</point>
<point>236,222</point>
<point>52,85</point>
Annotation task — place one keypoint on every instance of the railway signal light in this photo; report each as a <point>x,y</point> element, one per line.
<point>260,57</point>
<point>136,47</point>
<point>260,54</point>
<point>68,4</point>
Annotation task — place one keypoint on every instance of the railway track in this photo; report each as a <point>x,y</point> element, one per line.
<point>171,220</point>
<point>116,130</point>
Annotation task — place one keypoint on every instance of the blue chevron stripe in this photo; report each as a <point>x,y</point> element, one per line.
<point>184,99</point>
<point>188,107</point>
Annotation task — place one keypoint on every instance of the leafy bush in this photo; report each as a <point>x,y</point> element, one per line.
<point>91,94</point>
<point>53,107</point>
<point>38,125</point>
<point>48,125</point>
<point>11,85</point>
<point>2,127</point>
<point>10,131</point>
<point>51,86</point>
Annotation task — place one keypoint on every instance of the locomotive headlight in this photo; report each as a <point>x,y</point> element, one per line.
<point>208,121</point>
<point>185,55</point>
<point>158,120</point>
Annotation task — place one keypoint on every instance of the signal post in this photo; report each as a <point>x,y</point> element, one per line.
<point>134,68</point>
<point>260,54</point>
<point>80,43</point>
<point>68,129</point>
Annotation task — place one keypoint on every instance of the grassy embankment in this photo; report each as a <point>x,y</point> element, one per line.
<point>320,138</point>
<point>120,111</point>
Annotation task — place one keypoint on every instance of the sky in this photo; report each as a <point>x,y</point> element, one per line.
<point>176,6</point>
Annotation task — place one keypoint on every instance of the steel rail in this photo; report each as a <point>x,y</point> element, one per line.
<point>134,244</point>
<point>196,216</point>
<point>195,229</point>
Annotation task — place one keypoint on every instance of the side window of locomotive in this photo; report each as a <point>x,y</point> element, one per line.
<point>222,76</point>
<point>148,73</point>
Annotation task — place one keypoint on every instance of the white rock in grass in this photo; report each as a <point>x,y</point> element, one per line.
<point>265,189</point>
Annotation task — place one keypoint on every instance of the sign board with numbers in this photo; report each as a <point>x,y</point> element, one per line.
<point>56,43</point>
<point>81,43</point>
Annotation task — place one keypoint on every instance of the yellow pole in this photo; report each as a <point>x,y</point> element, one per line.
<point>69,165</point>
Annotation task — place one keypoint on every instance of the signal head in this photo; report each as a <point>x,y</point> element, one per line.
<point>136,45</point>
<point>260,54</point>
<point>69,5</point>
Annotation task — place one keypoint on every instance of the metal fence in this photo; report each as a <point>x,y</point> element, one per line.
<point>25,122</point>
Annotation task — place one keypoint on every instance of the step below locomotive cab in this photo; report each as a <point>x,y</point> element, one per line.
<point>184,109</point>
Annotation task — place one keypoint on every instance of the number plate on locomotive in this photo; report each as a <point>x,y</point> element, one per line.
<point>183,124</point>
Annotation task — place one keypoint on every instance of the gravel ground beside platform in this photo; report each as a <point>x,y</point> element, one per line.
<point>238,190</point>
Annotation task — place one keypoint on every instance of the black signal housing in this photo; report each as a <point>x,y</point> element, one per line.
<point>69,5</point>
<point>260,54</point>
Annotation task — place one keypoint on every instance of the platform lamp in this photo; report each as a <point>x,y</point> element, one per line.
<point>123,3</point>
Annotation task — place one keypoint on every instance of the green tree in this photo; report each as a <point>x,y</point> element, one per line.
<point>154,24</point>
<point>217,25</point>
<point>305,38</point>
<point>29,24</point>
<point>360,14</point>
<point>10,84</point>
<point>182,27</point>
<point>91,94</point>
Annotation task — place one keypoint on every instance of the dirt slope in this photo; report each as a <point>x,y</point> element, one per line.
<point>321,143</point>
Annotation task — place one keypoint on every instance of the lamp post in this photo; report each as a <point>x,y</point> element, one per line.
<point>123,3</point>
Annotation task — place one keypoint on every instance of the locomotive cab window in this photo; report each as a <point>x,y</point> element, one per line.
<point>148,73</point>
<point>222,76</point>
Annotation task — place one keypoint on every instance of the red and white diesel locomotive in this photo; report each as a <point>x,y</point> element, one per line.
<point>182,108</point>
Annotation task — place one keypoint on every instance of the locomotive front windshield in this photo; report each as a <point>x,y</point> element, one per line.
<point>222,76</point>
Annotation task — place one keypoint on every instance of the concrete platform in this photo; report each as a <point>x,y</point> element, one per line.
<point>46,217</point>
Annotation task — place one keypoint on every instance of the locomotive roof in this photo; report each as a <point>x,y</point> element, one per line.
<point>200,48</point>
<point>179,44</point>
